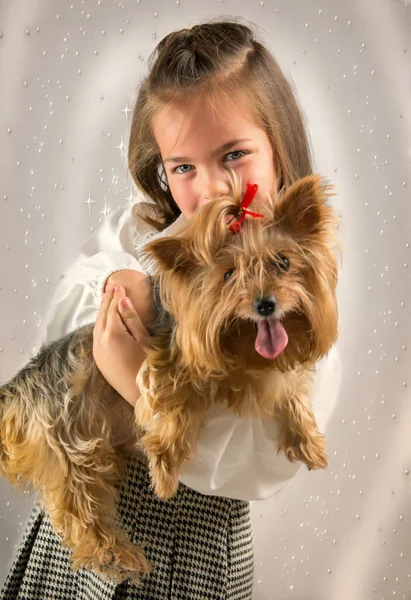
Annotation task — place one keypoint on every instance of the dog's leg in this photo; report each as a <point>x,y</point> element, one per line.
<point>57,437</point>
<point>171,433</point>
<point>300,438</point>
<point>83,511</point>
<point>169,443</point>
<point>76,479</point>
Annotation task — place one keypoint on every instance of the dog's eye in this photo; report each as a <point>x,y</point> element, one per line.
<point>228,274</point>
<point>285,263</point>
<point>281,265</point>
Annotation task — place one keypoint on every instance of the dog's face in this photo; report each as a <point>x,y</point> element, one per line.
<point>260,298</point>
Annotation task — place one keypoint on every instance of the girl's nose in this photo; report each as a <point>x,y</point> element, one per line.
<point>215,187</point>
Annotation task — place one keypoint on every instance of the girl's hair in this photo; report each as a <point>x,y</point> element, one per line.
<point>202,63</point>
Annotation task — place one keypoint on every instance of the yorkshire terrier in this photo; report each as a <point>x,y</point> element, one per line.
<point>245,307</point>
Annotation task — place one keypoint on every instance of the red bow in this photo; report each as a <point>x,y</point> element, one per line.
<point>245,203</point>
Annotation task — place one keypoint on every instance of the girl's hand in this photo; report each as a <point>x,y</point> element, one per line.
<point>137,288</point>
<point>119,342</point>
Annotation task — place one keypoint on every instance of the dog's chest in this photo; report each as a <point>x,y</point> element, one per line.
<point>258,396</point>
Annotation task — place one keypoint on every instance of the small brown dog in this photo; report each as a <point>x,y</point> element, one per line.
<point>245,309</point>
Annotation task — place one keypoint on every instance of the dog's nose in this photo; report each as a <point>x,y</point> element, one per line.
<point>265,306</point>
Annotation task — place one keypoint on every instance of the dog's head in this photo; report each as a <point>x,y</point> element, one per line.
<point>263,297</point>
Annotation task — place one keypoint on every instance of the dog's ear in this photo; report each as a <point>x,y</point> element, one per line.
<point>300,210</point>
<point>169,253</point>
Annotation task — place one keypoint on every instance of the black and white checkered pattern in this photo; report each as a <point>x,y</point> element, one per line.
<point>201,547</point>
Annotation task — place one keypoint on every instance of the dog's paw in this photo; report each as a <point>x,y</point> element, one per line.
<point>118,574</point>
<point>308,450</point>
<point>122,560</point>
<point>315,451</point>
<point>164,478</point>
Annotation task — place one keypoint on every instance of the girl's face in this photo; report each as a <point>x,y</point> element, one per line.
<point>197,150</point>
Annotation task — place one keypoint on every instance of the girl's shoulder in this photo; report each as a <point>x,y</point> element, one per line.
<point>143,232</point>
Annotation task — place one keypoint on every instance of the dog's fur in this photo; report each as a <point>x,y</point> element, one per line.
<point>66,433</point>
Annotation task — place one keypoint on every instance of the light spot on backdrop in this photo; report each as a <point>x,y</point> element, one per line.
<point>69,84</point>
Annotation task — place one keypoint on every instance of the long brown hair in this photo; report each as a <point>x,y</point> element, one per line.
<point>188,66</point>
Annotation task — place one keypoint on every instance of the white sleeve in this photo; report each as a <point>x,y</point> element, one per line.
<point>77,298</point>
<point>327,387</point>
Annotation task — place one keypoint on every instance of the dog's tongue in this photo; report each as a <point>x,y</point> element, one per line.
<point>271,339</point>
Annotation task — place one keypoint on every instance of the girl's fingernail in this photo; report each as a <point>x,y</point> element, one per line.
<point>126,303</point>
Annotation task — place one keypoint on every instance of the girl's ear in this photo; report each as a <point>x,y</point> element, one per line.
<point>169,253</point>
<point>300,209</point>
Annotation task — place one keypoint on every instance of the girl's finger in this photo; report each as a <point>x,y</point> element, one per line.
<point>131,318</point>
<point>114,320</point>
<point>101,320</point>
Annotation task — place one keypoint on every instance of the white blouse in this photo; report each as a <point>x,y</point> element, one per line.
<point>236,456</point>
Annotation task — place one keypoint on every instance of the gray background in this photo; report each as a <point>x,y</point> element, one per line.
<point>69,73</point>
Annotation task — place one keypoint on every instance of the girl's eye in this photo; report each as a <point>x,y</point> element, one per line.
<point>242,152</point>
<point>179,167</point>
<point>236,152</point>
<point>228,274</point>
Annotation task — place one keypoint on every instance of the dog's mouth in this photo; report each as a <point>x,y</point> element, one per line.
<point>271,338</point>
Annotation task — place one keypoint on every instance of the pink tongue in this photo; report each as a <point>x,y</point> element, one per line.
<point>271,339</point>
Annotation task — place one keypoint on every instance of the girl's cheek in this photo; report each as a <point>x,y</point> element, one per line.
<point>184,203</point>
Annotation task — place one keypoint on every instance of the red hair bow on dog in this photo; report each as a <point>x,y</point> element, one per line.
<point>245,203</point>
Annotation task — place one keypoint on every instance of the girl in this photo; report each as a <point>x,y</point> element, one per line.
<point>214,99</point>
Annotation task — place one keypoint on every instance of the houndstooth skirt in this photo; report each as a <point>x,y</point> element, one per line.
<point>201,547</point>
